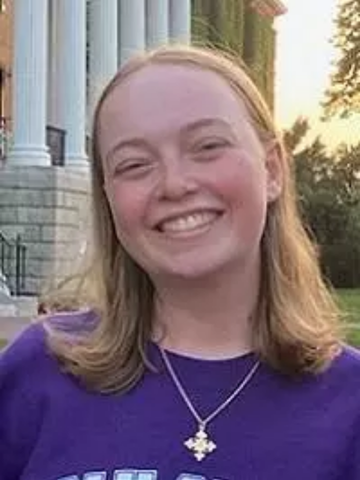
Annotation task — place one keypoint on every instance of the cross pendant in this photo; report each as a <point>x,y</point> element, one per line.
<point>200,445</point>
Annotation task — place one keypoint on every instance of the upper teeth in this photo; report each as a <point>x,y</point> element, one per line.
<point>188,222</point>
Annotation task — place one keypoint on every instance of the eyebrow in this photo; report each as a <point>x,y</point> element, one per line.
<point>191,127</point>
<point>128,143</point>
<point>205,122</point>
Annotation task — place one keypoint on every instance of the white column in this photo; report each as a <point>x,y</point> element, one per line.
<point>53,65</point>
<point>132,28</point>
<point>53,120</point>
<point>157,22</point>
<point>180,21</point>
<point>30,84</point>
<point>103,46</point>
<point>72,79</point>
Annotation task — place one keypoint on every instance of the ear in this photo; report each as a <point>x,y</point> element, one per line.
<point>273,163</point>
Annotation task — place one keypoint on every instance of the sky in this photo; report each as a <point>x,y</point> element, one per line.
<point>304,63</point>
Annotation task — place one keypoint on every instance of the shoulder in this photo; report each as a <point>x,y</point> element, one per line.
<point>73,323</point>
<point>27,366</point>
<point>339,384</point>
<point>347,365</point>
<point>30,377</point>
<point>30,352</point>
<point>346,372</point>
<point>19,355</point>
<point>343,373</point>
<point>22,365</point>
<point>20,409</point>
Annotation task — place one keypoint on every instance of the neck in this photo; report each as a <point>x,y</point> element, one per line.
<point>207,318</point>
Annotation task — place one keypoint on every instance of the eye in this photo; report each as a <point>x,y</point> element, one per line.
<point>209,148</point>
<point>210,144</point>
<point>133,167</point>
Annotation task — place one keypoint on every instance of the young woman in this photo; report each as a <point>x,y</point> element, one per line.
<point>212,349</point>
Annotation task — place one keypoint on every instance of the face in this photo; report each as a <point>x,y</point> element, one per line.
<point>187,179</point>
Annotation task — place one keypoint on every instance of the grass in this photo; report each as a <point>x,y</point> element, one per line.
<point>349,301</point>
<point>354,337</point>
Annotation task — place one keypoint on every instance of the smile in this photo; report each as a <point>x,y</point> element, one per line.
<point>189,223</point>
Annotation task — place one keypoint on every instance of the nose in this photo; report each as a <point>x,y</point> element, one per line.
<point>176,180</point>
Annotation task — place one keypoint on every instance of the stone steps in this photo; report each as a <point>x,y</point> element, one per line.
<point>11,327</point>
<point>15,314</point>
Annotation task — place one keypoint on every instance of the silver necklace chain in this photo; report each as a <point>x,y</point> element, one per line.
<point>204,421</point>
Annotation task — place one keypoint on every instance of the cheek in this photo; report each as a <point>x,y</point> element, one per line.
<point>128,207</point>
<point>241,181</point>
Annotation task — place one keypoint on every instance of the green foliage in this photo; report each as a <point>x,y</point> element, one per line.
<point>219,24</point>
<point>343,95</point>
<point>235,27</point>
<point>329,198</point>
<point>296,134</point>
<point>259,51</point>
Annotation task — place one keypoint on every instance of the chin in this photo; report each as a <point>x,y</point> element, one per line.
<point>196,264</point>
<point>195,270</point>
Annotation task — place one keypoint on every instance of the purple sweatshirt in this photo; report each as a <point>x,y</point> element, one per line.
<point>52,428</point>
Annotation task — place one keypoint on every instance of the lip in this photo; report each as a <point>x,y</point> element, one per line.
<point>185,213</point>
<point>193,232</point>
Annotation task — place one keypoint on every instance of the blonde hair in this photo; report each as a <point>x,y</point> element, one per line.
<point>295,326</point>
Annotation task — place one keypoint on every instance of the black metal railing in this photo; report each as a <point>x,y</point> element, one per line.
<point>13,263</point>
<point>55,140</point>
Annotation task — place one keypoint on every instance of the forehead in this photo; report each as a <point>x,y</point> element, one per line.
<point>161,97</point>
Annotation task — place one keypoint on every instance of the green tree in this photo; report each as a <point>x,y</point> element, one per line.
<point>296,134</point>
<point>343,94</point>
<point>328,187</point>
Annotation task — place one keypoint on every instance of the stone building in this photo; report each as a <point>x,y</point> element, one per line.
<point>55,57</point>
